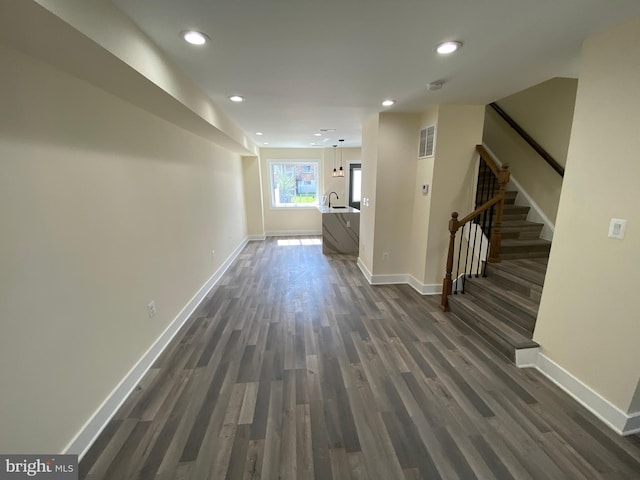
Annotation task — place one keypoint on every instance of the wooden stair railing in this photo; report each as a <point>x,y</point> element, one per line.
<point>527,138</point>
<point>488,220</point>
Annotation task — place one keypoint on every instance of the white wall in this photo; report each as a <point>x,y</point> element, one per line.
<point>422,205</point>
<point>411,228</point>
<point>396,171</point>
<point>370,129</point>
<point>282,221</point>
<point>307,220</point>
<point>459,130</point>
<point>588,321</point>
<point>545,111</point>
<point>104,207</point>
<point>253,196</point>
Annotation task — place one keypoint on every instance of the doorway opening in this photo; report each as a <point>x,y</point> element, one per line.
<point>355,184</point>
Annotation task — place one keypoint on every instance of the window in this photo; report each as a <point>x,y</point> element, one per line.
<point>294,183</point>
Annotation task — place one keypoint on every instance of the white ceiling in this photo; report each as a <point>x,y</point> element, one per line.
<point>307,65</point>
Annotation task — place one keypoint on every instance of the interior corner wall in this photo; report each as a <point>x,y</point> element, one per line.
<point>289,221</point>
<point>104,208</point>
<point>588,318</point>
<point>252,183</point>
<point>545,111</point>
<point>537,178</point>
<point>114,32</point>
<point>398,135</point>
<point>370,129</point>
<point>421,205</point>
<point>458,131</point>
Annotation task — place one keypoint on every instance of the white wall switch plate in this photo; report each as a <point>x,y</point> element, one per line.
<point>617,227</point>
<point>151,308</point>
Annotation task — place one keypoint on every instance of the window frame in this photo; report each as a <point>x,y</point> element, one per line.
<point>317,163</point>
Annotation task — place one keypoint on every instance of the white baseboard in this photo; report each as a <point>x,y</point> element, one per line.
<point>390,279</point>
<point>292,233</point>
<point>527,357</point>
<point>399,279</point>
<point>621,422</point>
<point>524,199</point>
<point>254,238</point>
<point>99,420</point>
<point>425,288</point>
<point>633,424</point>
<point>365,271</point>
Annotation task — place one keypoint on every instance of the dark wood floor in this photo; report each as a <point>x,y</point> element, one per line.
<point>295,367</point>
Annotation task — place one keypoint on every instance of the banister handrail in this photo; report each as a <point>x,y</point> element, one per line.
<point>494,205</point>
<point>479,210</point>
<point>527,138</point>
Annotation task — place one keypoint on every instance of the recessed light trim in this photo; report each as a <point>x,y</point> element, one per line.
<point>447,48</point>
<point>259,133</point>
<point>317,134</point>
<point>236,98</point>
<point>194,37</point>
<point>388,102</point>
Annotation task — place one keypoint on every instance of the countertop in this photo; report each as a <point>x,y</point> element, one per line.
<point>325,209</point>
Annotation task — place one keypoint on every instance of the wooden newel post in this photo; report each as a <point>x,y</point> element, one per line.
<point>447,283</point>
<point>496,233</point>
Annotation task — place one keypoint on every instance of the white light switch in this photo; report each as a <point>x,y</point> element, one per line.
<point>617,226</point>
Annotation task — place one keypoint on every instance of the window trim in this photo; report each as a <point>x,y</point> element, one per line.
<point>297,206</point>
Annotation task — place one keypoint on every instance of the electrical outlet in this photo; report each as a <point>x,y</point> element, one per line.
<point>385,256</point>
<point>213,253</point>
<point>151,308</point>
<point>348,223</point>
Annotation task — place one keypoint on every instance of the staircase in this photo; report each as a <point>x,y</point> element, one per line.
<point>502,307</point>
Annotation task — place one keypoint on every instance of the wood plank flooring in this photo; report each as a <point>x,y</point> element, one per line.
<point>294,367</point>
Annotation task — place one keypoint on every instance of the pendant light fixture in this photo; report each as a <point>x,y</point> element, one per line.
<point>335,172</point>
<point>341,171</point>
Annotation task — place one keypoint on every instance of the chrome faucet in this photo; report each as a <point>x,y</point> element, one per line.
<point>337,197</point>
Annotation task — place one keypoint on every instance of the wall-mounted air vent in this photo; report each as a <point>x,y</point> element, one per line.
<point>427,141</point>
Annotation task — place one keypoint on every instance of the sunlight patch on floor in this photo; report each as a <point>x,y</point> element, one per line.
<point>286,242</point>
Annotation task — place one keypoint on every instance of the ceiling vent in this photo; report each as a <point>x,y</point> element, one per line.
<point>427,141</point>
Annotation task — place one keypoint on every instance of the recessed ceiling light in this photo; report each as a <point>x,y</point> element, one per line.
<point>388,103</point>
<point>194,38</point>
<point>317,134</point>
<point>259,133</point>
<point>236,98</point>
<point>445,48</point>
<point>266,143</point>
